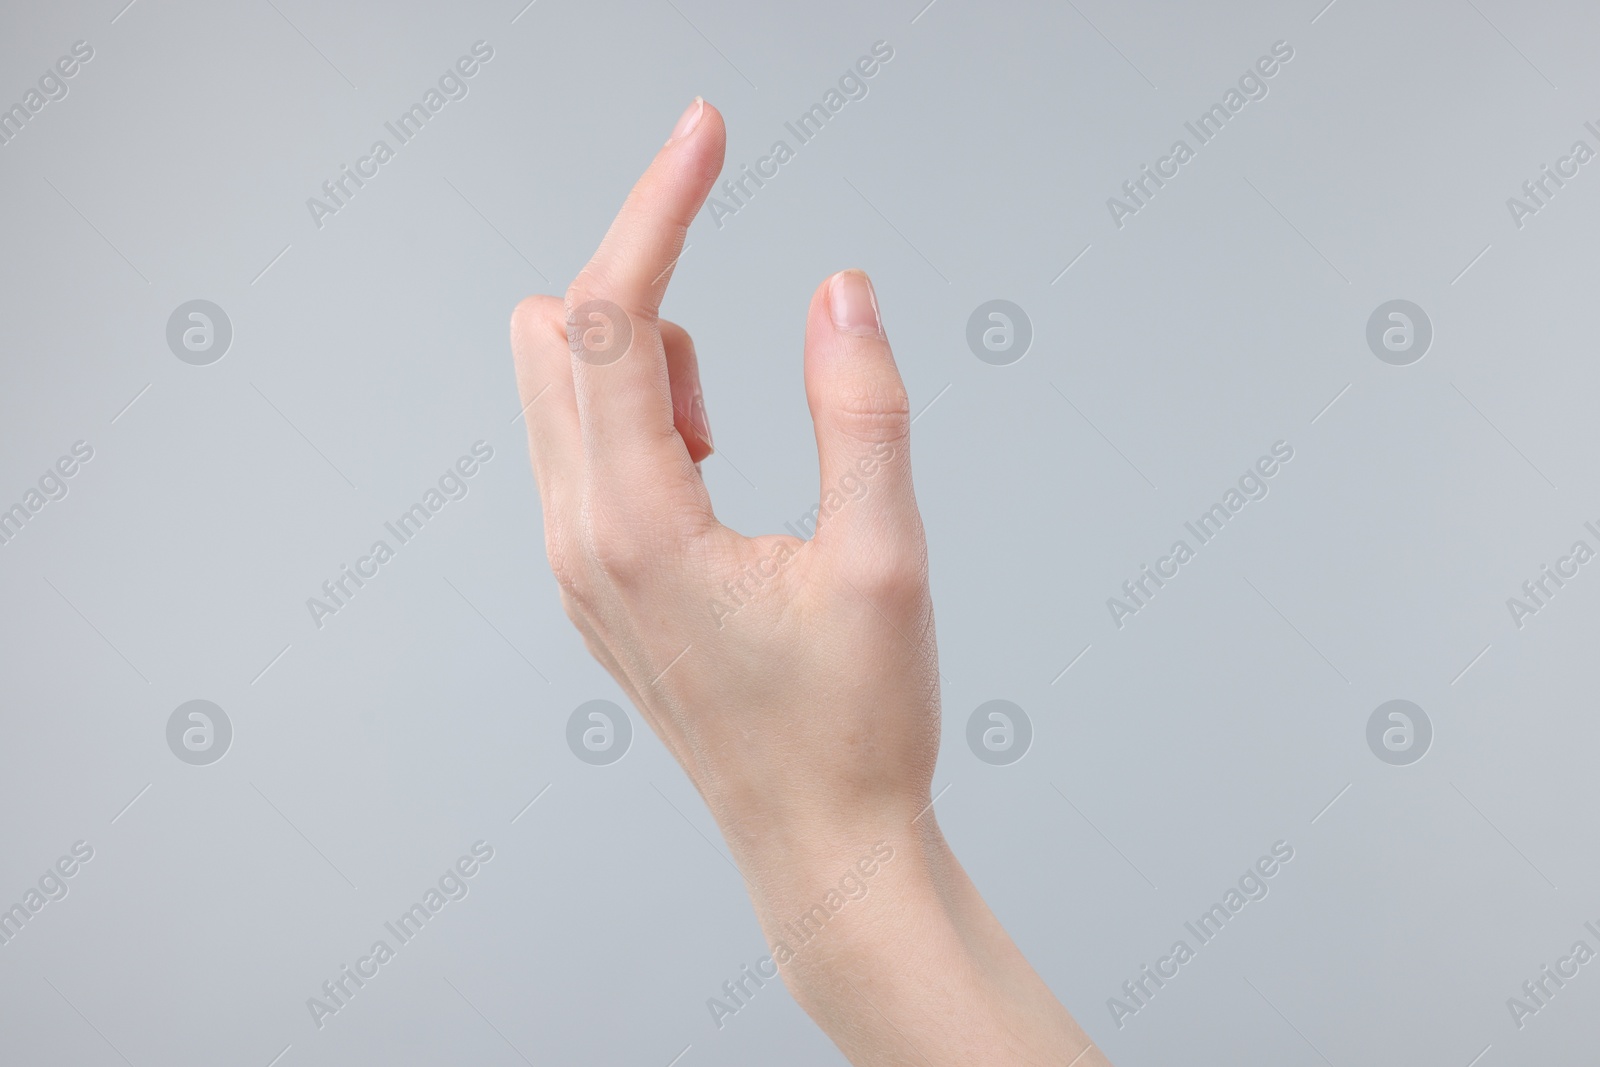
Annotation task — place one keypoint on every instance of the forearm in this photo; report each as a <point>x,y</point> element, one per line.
<point>907,965</point>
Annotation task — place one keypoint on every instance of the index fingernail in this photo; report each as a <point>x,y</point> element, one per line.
<point>688,120</point>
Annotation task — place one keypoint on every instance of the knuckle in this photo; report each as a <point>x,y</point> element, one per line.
<point>535,316</point>
<point>584,289</point>
<point>890,578</point>
<point>569,575</point>
<point>623,559</point>
<point>875,412</point>
<point>595,286</point>
<point>598,329</point>
<point>569,567</point>
<point>630,548</point>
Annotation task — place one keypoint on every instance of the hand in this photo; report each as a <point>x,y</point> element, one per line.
<point>795,681</point>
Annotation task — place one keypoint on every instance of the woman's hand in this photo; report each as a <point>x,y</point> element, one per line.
<point>795,681</point>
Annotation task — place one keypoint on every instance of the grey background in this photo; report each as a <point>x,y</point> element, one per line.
<point>370,354</point>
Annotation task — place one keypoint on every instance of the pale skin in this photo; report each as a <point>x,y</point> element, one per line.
<point>802,699</point>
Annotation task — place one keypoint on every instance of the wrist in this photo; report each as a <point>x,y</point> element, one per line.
<point>840,900</point>
<point>812,842</point>
<point>827,892</point>
<point>859,918</point>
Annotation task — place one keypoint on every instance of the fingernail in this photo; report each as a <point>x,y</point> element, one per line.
<point>854,305</point>
<point>688,120</point>
<point>697,416</point>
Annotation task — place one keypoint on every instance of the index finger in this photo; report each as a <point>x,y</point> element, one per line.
<point>634,262</point>
<point>620,375</point>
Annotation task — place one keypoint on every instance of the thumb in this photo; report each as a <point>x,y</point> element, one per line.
<point>863,424</point>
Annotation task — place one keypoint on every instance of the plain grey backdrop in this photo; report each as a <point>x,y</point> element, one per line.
<point>1172,347</point>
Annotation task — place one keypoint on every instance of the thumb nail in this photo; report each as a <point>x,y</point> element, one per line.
<point>853,304</point>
